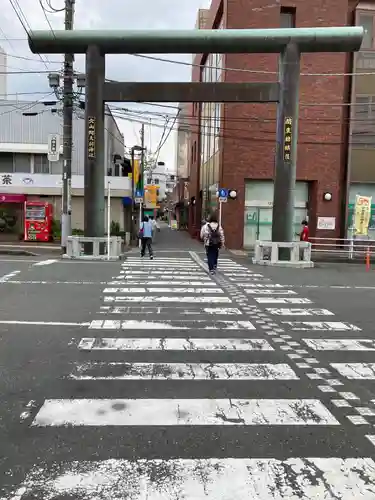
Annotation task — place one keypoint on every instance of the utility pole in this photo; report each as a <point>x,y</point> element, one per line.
<point>142,169</point>
<point>142,155</point>
<point>66,219</point>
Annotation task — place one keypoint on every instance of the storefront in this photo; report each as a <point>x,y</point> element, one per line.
<point>258,210</point>
<point>11,216</point>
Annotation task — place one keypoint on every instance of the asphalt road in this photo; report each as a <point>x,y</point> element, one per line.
<point>150,379</point>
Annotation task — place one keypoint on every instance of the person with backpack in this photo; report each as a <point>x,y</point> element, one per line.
<point>212,235</point>
<point>145,235</point>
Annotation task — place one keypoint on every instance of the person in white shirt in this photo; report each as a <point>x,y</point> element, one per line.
<point>145,235</point>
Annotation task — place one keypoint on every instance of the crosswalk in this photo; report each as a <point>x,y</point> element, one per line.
<point>204,388</point>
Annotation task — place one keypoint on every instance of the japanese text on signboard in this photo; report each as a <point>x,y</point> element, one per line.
<point>91,137</point>
<point>287,139</point>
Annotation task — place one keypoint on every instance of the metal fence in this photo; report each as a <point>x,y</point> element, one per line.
<point>345,248</point>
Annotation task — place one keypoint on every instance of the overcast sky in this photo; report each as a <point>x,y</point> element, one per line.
<point>100,14</point>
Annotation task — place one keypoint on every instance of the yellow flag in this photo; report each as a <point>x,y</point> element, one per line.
<point>362,214</point>
<point>136,171</point>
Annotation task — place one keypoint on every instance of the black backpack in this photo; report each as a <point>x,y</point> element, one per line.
<point>214,238</point>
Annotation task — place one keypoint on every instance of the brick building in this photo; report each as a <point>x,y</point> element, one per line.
<point>233,145</point>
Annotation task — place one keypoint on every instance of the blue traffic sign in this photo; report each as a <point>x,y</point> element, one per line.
<point>139,193</point>
<point>223,193</point>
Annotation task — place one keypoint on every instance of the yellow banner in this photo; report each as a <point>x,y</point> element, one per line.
<point>151,196</point>
<point>136,171</point>
<point>362,214</point>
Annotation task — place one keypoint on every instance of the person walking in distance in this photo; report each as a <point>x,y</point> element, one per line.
<point>304,236</point>
<point>145,235</point>
<point>212,235</point>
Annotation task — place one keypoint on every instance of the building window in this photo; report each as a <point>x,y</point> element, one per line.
<point>6,162</point>
<point>21,163</point>
<point>364,109</point>
<point>367,21</point>
<point>41,164</point>
<point>287,17</point>
<point>15,162</point>
<point>363,126</point>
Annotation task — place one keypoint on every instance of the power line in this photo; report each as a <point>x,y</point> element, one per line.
<point>25,72</point>
<point>46,18</point>
<point>26,106</point>
<point>157,151</point>
<point>169,133</point>
<point>258,140</point>
<point>241,70</point>
<point>186,119</point>
<point>24,58</point>
<point>17,94</point>
<point>24,22</point>
<point>53,10</point>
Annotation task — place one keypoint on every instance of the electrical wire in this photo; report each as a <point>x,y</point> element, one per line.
<point>259,140</point>
<point>24,23</point>
<point>24,58</point>
<point>241,70</point>
<point>168,135</point>
<point>6,38</point>
<point>166,122</point>
<point>25,106</point>
<point>46,18</point>
<point>25,72</point>
<point>187,119</point>
<point>17,94</point>
<point>53,10</point>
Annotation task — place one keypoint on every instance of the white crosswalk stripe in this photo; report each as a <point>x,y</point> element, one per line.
<point>341,344</point>
<point>299,312</point>
<point>170,344</point>
<point>208,479</point>
<point>198,381</point>
<point>153,299</point>
<point>180,371</point>
<point>167,412</point>
<point>170,325</point>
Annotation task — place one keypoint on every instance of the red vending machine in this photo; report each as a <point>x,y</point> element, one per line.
<point>38,221</point>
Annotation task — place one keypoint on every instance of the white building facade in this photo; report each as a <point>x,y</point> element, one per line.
<point>160,176</point>
<point>26,173</point>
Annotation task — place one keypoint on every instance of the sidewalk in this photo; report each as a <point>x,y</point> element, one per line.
<point>29,249</point>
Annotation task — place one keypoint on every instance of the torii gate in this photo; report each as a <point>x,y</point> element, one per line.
<point>290,43</point>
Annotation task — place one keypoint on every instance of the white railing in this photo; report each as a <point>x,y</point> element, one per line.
<point>350,248</point>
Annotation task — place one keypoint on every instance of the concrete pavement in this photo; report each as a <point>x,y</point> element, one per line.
<point>151,379</point>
